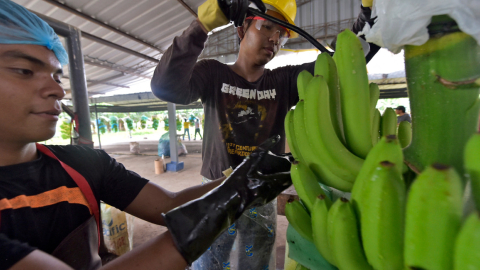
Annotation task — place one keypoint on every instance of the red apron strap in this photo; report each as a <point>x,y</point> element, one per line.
<point>81,183</point>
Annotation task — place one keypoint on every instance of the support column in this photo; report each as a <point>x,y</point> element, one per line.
<point>76,70</point>
<point>174,165</point>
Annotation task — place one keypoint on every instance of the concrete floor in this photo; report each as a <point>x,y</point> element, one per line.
<point>143,164</point>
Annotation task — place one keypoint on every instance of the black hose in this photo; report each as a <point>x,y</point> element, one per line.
<point>298,30</point>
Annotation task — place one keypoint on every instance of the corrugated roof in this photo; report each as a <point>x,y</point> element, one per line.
<point>154,23</point>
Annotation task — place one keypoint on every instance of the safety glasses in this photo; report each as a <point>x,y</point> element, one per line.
<point>270,29</point>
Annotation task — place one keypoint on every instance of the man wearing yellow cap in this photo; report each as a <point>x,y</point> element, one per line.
<point>244,104</point>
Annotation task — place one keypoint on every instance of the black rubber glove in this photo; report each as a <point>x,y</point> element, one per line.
<point>196,224</point>
<point>236,10</point>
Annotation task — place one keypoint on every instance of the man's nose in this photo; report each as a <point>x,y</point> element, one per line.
<point>53,89</point>
<point>276,37</point>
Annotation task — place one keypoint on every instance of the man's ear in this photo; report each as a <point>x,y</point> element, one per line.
<point>241,32</point>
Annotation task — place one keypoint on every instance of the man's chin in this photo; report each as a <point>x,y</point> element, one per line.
<point>43,136</point>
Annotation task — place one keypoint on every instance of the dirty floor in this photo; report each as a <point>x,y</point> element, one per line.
<point>143,164</point>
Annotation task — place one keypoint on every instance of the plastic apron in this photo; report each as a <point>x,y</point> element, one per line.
<point>249,244</point>
<point>80,248</point>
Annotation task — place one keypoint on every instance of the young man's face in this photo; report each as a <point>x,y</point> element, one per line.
<point>30,93</point>
<point>259,47</point>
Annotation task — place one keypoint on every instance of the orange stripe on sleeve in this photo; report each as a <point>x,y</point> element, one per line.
<point>54,196</point>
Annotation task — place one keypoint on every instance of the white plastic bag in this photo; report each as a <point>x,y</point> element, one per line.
<point>404,22</point>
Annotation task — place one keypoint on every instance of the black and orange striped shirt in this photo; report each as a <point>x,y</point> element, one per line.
<point>40,204</point>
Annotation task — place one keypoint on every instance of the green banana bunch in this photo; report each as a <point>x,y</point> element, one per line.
<point>290,133</point>
<point>325,66</point>
<point>343,237</point>
<point>298,217</point>
<point>313,156</point>
<point>319,227</point>
<point>467,244</point>
<point>381,212</point>
<point>321,134</point>
<point>389,122</point>
<point>305,183</point>
<point>303,79</point>
<point>404,133</point>
<point>472,165</point>
<point>354,93</point>
<point>377,116</point>
<point>433,218</point>
<point>387,149</point>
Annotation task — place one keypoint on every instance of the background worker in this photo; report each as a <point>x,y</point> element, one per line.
<point>49,195</point>
<point>244,104</point>
<point>197,129</point>
<point>402,115</point>
<point>186,129</point>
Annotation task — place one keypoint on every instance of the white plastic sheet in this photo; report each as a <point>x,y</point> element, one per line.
<point>404,22</point>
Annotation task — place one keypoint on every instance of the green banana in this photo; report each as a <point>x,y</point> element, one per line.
<point>300,267</point>
<point>389,122</point>
<point>313,156</point>
<point>303,79</point>
<point>376,126</point>
<point>467,244</point>
<point>374,96</point>
<point>319,227</point>
<point>321,134</point>
<point>305,183</point>
<point>298,217</point>
<point>404,133</point>
<point>433,218</point>
<point>290,133</point>
<point>472,165</point>
<point>343,237</point>
<point>354,93</point>
<point>382,216</point>
<point>387,149</point>
<point>325,66</point>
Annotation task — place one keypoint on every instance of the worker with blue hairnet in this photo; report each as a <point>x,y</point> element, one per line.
<point>49,195</point>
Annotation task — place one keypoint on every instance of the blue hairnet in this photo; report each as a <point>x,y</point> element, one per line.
<point>20,26</point>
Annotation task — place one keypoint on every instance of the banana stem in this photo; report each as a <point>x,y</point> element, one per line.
<point>442,77</point>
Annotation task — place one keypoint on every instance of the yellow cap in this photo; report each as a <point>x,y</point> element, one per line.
<point>288,9</point>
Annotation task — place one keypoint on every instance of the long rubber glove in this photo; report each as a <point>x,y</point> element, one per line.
<point>196,224</point>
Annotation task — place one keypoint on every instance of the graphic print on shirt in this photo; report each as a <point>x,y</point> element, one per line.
<point>248,93</point>
<point>247,117</point>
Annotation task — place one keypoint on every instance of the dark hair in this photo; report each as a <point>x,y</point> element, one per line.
<point>400,108</point>
<point>248,23</point>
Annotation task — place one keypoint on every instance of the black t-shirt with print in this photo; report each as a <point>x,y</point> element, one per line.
<point>45,226</point>
<point>239,115</point>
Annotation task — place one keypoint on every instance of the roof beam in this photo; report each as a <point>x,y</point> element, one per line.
<point>105,81</point>
<point>118,47</point>
<point>98,22</point>
<point>188,8</point>
<point>118,68</point>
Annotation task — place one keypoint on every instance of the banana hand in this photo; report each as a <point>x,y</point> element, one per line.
<point>433,218</point>
<point>343,237</point>
<point>298,217</point>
